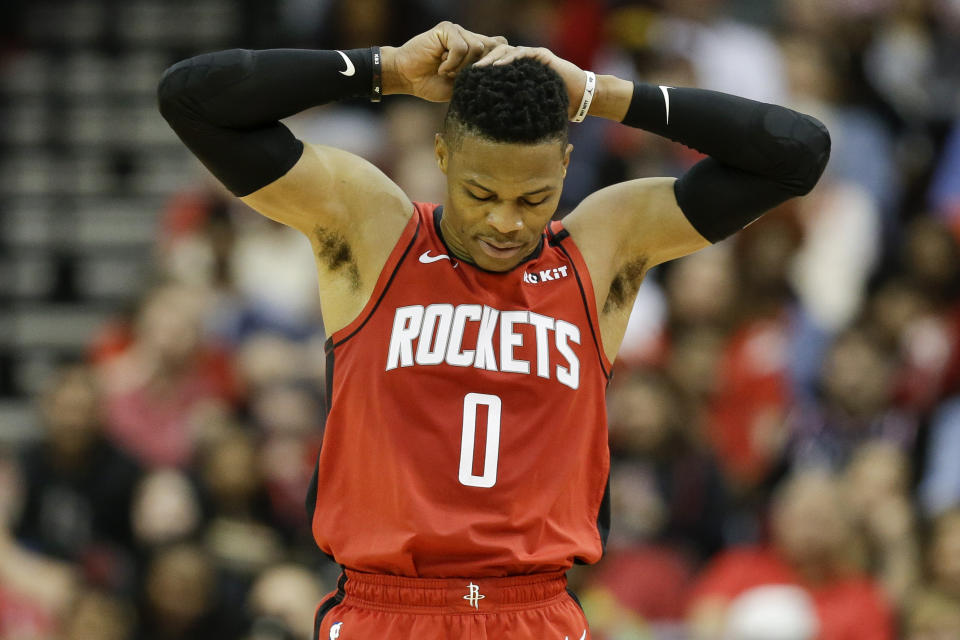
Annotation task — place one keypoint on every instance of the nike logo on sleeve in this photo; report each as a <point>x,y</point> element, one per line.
<point>666,100</point>
<point>350,70</point>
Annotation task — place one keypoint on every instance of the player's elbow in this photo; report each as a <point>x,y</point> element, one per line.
<point>174,90</point>
<point>186,86</point>
<point>814,142</point>
<point>803,151</point>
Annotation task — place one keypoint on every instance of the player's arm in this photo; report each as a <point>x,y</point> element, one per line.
<point>227,106</point>
<point>760,155</point>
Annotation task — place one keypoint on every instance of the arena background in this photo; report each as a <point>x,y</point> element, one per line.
<point>785,409</point>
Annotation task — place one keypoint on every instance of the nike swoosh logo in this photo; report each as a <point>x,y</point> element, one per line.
<point>426,258</point>
<point>666,100</point>
<point>350,70</point>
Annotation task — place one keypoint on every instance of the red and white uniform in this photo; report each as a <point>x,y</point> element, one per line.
<point>466,433</point>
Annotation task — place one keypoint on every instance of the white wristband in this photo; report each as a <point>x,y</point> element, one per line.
<point>588,91</point>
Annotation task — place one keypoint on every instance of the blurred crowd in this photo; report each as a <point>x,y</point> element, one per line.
<point>785,413</point>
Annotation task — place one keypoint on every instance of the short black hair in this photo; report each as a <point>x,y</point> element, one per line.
<point>524,101</point>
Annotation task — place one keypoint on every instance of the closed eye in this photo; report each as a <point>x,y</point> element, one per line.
<point>537,203</point>
<point>481,199</point>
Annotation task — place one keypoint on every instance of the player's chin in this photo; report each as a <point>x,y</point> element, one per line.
<point>489,258</point>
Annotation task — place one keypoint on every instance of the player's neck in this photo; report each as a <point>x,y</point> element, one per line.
<point>452,241</point>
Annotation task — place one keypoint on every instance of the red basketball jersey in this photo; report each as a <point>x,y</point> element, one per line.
<point>466,431</point>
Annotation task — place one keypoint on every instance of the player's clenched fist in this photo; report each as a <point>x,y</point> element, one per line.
<point>426,65</point>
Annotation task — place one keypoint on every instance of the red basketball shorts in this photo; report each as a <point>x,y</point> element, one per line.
<point>378,607</point>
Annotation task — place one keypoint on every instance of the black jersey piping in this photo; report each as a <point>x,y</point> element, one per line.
<point>533,255</point>
<point>330,344</point>
<point>556,240</point>
<point>603,512</point>
<point>603,522</point>
<point>329,604</point>
<point>312,490</point>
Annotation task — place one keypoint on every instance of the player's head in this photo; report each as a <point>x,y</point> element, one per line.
<point>505,153</point>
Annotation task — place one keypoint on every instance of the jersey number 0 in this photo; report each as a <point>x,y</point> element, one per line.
<point>468,440</point>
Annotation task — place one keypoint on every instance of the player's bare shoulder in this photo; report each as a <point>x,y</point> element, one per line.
<point>334,189</point>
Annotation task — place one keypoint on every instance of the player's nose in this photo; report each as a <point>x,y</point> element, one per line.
<point>505,218</point>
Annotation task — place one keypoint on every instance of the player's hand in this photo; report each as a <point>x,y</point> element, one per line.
<point>573,76</point>
<point>426,65</point>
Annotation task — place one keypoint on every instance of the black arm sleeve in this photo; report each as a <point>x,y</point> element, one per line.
<point>226,106</point>
<point>760,154</point>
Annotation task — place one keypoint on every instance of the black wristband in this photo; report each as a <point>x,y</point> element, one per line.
<point>376,93</point>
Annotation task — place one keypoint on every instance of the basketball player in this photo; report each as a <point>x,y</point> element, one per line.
<point>465,460</point>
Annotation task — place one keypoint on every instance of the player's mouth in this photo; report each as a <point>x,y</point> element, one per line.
<point>501,251</point>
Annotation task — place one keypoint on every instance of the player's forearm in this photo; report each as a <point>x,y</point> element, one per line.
<point>226,105</point>
<point>763,139</point>
<point>242,88</point>
<point>612,98</point>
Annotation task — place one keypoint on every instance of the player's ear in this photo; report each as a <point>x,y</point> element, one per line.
<point>566,157</point>
<point>442,152</point>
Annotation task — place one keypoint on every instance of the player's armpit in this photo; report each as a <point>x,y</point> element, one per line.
<point>622,231</point>
<point>353,216</point>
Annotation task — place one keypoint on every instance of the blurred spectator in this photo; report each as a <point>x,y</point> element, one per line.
<point>929,342</point>
<point>160,386</point>
<point>877,489</point>
<point>29,609</point>
<point>940,486</point>
<point>274,273</point>
<point>945,188</point>
<point>282,603</point>
<point>284,381</point>
<point>99,615</point>
<point>35,591</point>
<point>78,486</point>
<point>810,548</point>
<point>165,510</point>
<point>179,599</point>
<point>748,410</point>
<point>658,455</point>
<point>238,534</point>
<point>944,554</point>
<point>719,46</point>
<point>197,236</point>
<point>855,405</point>
<point>934,612</point>
<point>933,616</point>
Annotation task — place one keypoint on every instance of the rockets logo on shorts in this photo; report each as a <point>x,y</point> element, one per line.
<point>335,630</point>
<point>439,329</point>
<point>474,597</point>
